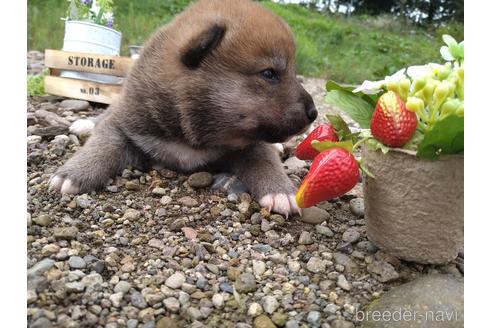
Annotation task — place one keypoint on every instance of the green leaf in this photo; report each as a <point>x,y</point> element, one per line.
<point>445,137</point>
<point>340,126</point>
<point>375,145</point>
<point>449,40</point>
<point>414,141</point>
<point>324,145</point>
<point>358,109</point>
<point>332,85</point>
<point>372,99</point>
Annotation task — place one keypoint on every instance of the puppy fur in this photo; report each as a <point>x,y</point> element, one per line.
<point>213,89</point>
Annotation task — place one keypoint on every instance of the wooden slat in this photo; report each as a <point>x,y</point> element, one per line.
<point>81,89</point>
<point>86,62</point>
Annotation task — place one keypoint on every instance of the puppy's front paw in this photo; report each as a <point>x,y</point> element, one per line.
<point>63,184</point>
<point>280,203</point>
<point>82,126</point>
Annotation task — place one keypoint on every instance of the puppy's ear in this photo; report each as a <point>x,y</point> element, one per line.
<point>199,47</point>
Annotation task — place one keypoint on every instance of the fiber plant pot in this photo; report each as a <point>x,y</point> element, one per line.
<point>91,38</point>
<point>414,207</point>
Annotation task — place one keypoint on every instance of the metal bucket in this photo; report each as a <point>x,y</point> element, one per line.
<point>91,38</point>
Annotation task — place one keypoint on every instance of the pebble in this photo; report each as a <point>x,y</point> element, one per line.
<point>175,281</point>
<point>316,264</point>
<point>314,318</point>
<point>200,180</point>
<point>259,267</point>
<point>82,201</point>
<point>172,304</point>
<point>32,296</point>
<point>356,206</point>
<point>33,140</point>
<point>166,200</point>
<point>65,232</point>
<point>292,324</point>
<point>189,233</point>
<point>343,283</point>
<point>131,214</point>
<point>314,215</point>
<point>279,319</point>
<point>349,264</point>
<point>263,321</point>
<point>40,267</point>
<point>305,238</point>
<point>340,323</point>
<point>218,300</point>
<point>294,266</point>
<point>159,191</point>
<point>351,235</point>
<point>188,201</point>
<point>74,105</point>
<point>43,220</point>
<point>116,299</point>
<point>122,287</point>
<point>367,246</point>
<point>41,322</point>
<point>76,262</point>
<point>75,286</point>
<point>245,283</point>
<point>270,304</point>
<point>255,309</point>
<point>384,271</point>
<point>193,313</point>
<point>324,230</point>
<point>138,300</point>
<point>166,322</point>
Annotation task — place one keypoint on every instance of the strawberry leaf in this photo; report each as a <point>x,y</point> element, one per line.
<point>372,99</point>
<point>357,108</point>
<point>375,145</point>
<point>324,145</point>
<point>445,137</point>
<point>340,126</point>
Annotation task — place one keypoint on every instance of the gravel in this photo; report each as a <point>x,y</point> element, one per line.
<point>162,251</point>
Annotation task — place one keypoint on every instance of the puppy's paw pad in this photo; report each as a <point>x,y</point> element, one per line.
<point>280,203</point>
<point>81,126</point>
<point>64,186</point>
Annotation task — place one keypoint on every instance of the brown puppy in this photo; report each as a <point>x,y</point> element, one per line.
<point>214,88</point>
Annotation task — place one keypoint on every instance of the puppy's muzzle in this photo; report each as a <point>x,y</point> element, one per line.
<point>309,106</point>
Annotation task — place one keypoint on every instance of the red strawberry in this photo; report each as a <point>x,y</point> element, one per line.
<point>392,123</point>
<point>323,132</point>
<point>333,173</point>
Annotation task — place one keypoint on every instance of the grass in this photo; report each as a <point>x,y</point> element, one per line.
<point>347,50</point>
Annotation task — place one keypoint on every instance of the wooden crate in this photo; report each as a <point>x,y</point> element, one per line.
<point>57,60</point>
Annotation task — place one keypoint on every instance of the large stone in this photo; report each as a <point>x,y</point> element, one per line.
<point>433,301</point>
<point>414,209</point>
<point>314,215</point>
<point>74,105</point>
<point>263,321</point>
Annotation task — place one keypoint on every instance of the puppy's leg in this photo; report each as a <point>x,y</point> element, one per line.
<point>106,153</point>
<point>260,169</point>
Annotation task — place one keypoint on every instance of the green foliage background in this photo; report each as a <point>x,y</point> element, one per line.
<point>333,47</point>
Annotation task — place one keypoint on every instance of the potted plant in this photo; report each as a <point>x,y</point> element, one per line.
<point>412,138</point>
<point>89,29</point>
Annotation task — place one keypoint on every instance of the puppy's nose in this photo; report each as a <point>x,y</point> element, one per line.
<point>311,112</point>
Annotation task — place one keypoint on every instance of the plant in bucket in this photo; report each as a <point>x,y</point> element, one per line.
<point>89,28</point>
<point>412,152</point>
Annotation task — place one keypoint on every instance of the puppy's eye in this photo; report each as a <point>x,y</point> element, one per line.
<point>269,75</point>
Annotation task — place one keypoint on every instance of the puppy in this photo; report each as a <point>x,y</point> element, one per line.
<point>212,89</point>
